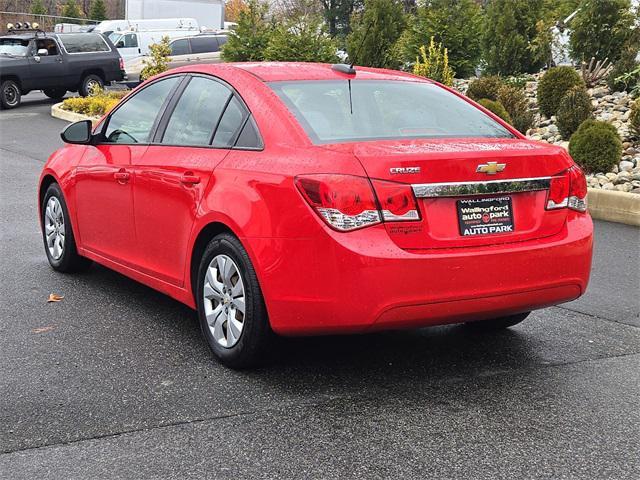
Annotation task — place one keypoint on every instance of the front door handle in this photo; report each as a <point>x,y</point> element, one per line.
<point>190,179</point>
<point>122,176</point>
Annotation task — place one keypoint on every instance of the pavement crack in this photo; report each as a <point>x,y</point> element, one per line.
<point>15,152</point>
<point>595,316</point>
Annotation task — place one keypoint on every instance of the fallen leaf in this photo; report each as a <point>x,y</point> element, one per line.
<point>43,329</point>
<point>54,298</point>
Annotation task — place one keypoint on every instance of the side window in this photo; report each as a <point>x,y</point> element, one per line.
<point>230,123</point>
<point>132,121</point>
<point>222,39</point>
<point>83,42</point>
<point>197,112</point>
<point>180,47</point>
<point>131,40</point>
<point>249,137</point>
<point>49,44</point>
<point>204,45</point>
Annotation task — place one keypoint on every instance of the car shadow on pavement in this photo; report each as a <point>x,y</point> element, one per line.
<point>444,351</point>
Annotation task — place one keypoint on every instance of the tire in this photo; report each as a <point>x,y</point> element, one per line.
<point>495,324</point>
<point>89,83</point>
<point>10,95</point>
<point>55,93</point>
<point>60,249</point>
<point>237,339</point>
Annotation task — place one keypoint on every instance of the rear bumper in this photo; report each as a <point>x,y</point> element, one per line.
<point>362,281</point>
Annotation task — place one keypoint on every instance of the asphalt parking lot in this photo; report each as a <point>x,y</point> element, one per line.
<point>115,382</point>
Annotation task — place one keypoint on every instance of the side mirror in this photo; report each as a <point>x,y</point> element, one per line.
<point>43,52</point>
<point>78,133</point>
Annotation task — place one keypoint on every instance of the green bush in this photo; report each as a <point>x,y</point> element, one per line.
<point>553,85</point>
<point>434,64</point>
<point>634,119</point>
<point>375,31</point>
<point>575,107</point>
<point>457,24</point>
<point>249,40</point>
<point>624,65</point>
<point>301,41</point>
<point>158,60</point>
<point>600,29</point>
<point>485,87</point>
<point>596,146</point>
<point>496,107</point>
<point>516,104</point>
<point>509,30</point>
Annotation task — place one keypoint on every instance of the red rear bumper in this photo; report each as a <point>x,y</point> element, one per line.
<point>361,280</point>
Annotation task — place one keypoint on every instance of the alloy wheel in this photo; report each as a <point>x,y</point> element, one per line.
<point>93,87</point>
<point>54,228</point>
<point>224,300</point>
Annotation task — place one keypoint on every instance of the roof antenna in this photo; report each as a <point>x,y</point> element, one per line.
<point>348,69</point>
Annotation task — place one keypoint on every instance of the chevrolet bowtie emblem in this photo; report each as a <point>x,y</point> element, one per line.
<point>491,168</point>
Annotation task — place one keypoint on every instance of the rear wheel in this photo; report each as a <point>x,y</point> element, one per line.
<point>59,243</point>
<point>231,309</point>
<point>498,323</point>
<point>55,93</point>
<point>10,95</point>
<point>90,85</point>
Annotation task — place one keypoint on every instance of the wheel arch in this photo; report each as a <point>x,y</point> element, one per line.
<point>93,71</point>
<point>15,78</point>
<point>45,182</point>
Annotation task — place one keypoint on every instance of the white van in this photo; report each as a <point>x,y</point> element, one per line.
<point>109,26</point>
<point>132,43</point>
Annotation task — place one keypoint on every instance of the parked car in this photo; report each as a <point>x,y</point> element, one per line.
<point>307,199</point>
<point>133,44</point>
<point>107,27</point>
<point>204,48</point>
<point>55,64</point>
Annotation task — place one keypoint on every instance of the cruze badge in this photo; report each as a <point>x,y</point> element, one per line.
<point>400,170</point>
<point>491,168</point>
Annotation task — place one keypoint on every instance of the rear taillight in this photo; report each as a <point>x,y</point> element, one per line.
<point>397,202</point>
<point>347,202</point>
<point>121,64</point>
<point>568,190</point>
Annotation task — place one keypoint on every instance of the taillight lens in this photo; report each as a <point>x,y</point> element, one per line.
<point>397,201</point>
<point>121,64</point>
<point>345,202</point>
<point>568,190</point>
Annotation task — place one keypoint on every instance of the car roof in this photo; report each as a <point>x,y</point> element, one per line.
<point>292,71</point>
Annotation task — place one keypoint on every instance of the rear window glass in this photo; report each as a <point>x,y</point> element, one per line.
<point>379,110</point>
<point>204,45</point>
<point>14,47</point>
<point>83,42</point>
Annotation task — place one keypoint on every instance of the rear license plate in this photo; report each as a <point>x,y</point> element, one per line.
<point>485,216</point>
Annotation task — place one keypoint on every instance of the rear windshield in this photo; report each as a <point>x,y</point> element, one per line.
<point>383,110</point>
<point>14,47</point>
<point>83,42</point>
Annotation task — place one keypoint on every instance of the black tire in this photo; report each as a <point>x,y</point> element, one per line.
<point>55,93</point>
<point>10,94</point>
<point>70,260</point>
<point>495,324</point>
<point>256,331</point>
<point>88,83</point>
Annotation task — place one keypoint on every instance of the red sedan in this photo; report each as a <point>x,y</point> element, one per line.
<point>309,199</point>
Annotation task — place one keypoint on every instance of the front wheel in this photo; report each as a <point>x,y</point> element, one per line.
<point>59,242</point>
<point>231,309</point>
<point>55,93</point>
<point>10,95</point>
<point>498,323</point>
<point>90,85</point>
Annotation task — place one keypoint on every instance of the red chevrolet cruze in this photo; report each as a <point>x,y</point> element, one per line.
<point>307,199</point>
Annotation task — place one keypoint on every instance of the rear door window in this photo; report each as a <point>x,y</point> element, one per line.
<point>204,45</point>
<point>133,121</point>
<point>196,114</point>
<point>83,42</point>
<point>180,47</point>
<point>232,120</point>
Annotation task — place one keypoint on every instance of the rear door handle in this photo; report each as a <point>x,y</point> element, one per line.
<point>122,176</point>
<point>190,179</point>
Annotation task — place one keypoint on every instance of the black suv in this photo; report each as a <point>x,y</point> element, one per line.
<point>55,63</point>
